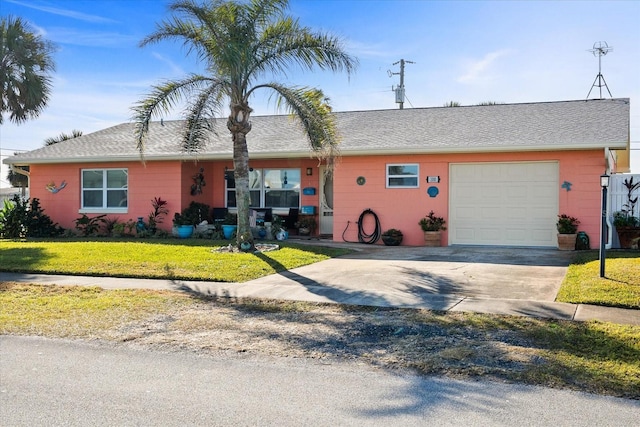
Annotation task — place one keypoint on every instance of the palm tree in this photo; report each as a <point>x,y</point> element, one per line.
<point>25,64</point>
<point>242,43</point>
<point>62,137</point>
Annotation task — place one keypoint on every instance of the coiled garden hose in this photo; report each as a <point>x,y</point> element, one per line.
<point>363,236</point>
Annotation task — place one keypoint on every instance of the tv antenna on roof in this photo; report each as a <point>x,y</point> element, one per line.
<point>600,49</point>
<point>399,89</point>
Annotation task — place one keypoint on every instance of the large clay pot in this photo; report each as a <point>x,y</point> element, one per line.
<point>567,242</point>
<point>628,237</point>
<point>432,238</point>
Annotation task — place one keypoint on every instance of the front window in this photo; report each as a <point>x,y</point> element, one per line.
<point>105,190</point>
<point>402,175</point>
<point>269,188</point>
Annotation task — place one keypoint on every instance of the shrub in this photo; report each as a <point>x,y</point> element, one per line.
<point>19,218</point>
<point>567,224</point>
<point>89,226</point>
<point>431,222</point>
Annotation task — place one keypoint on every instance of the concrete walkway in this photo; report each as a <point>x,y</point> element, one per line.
<point>521,282</point>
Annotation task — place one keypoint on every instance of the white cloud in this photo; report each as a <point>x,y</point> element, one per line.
<point>175,68</point>
<point>63,12</point>
<point>477,70</point>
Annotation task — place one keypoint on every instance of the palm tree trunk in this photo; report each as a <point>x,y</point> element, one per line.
<point>241,172</point>
<point>239,125</point>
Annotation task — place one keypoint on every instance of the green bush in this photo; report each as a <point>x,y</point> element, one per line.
<point>19,219</point>
<point>90,226</point>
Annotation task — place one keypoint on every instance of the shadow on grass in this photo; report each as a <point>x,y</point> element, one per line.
<point>22,260</point>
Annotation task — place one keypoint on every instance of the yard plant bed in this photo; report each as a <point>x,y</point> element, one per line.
<point>596,357</point>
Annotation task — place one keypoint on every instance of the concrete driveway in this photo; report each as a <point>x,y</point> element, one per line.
<point>411,276</point>
<point>483,272</point>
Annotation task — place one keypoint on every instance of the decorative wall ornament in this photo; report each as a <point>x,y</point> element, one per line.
<point>51,187</point>
<point>566,185</point>
<point>198,182</point>
<point>361,180</point>
<point>432,191</point>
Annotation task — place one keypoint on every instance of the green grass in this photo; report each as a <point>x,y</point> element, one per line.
<point>77,311</point>
<point>594,357</point>
<point>177,259</point>
<point>619,288</point>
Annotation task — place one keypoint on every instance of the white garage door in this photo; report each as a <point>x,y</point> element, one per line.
<point>511,204</point>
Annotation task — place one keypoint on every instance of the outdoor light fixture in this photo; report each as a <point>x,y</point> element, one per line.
<point>309,171</point>
<point>604,183</point>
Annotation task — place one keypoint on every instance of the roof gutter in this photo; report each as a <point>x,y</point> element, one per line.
<point>300,154</point>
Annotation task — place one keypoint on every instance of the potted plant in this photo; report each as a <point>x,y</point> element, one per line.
<point>183,228</point>
<point>392,237</point>
<point>306,225</point>
<point>229,225</point>
<point>626,222</point>
<point>277,229</point>
<point>432,226</point>
<point>567,232</point>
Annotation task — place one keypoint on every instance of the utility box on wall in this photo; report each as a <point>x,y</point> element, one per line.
<point>308,210</point>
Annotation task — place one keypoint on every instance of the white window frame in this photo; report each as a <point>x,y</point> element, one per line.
<point>262,190</point>
<point>390,176</point>
<point>104,189</point>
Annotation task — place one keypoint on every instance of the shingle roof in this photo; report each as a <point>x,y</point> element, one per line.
<point>548,126</point>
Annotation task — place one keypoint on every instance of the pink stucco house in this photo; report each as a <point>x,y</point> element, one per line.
<point>499,174</point>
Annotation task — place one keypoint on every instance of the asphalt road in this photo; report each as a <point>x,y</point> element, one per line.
<point>65,383</point>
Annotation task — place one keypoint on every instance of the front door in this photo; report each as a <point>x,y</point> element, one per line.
<point>326,201</point>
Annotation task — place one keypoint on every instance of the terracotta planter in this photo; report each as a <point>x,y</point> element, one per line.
<point>567,242</point>
<point>628,237</point>
<point>432,238</point>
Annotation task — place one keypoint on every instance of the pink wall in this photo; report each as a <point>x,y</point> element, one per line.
<point>396,208</point>
<point>403,208</point>
<point>170,180</point>
<point>146,181</point>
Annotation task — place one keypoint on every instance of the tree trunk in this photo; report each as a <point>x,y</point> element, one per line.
<point>239,126</point>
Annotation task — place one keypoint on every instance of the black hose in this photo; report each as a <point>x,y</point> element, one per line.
<point>364,237</point>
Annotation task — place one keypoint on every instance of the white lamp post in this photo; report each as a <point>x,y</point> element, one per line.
<point>604,183</point>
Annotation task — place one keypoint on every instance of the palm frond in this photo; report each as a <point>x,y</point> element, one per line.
<point>311,108</point>
<point>286,42</point>
<point>200,119</point>
<point>163,99</point>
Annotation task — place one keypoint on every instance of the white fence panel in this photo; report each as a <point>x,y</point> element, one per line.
<point>618,197</point>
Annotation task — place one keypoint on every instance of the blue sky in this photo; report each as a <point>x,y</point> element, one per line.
<point>468,51</point>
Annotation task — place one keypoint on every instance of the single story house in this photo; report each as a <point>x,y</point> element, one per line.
<point>499,174</point>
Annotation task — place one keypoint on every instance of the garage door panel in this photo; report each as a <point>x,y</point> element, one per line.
<point>504,203</point>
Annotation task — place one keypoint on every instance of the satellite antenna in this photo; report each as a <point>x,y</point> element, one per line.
<point>400,89</point>
<point>600,49</point>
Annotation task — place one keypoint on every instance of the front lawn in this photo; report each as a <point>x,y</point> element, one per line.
<point>594,357</point>
<point>619,288</point>
<point>171,258</point>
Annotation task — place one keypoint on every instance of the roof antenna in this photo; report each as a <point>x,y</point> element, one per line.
<point>399,89</point>
<point>600,49</point>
